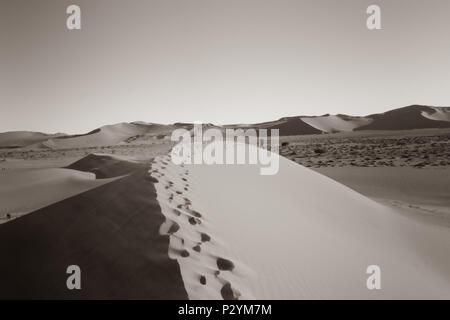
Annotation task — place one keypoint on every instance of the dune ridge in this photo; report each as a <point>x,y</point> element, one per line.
<point>302,235</point>
<point>208,271</point>
<point>110,232</point>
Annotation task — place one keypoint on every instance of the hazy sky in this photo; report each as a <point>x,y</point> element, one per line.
<point>221,61</point>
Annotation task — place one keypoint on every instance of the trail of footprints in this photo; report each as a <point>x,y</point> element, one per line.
<point>187,229</point>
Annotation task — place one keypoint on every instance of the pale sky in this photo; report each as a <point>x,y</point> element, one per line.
<point>220,61</point>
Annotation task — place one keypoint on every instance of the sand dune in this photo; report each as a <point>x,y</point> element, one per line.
<point>293,235</point>
<point>106,165</point>
<point>23,191</point>
<point>111,232</point>
<point>406,118</point>
<point>17,139</point>
<point>106,135</point>
<point>139,132</point>
<point>336,123</point>
<point>439,114</point>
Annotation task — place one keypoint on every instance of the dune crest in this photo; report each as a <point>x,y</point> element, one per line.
<point>207,268</point>
<point>301,235</point>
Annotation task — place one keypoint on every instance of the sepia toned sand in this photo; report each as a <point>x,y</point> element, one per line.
<point>23,191</point>
<point>141,227</point>
<point>294,235</point>
<point>424,193</point>
<point>111,232</point>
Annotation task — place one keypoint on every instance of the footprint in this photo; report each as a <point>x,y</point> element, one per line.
<point>224,264</point>
<point>195,213</point>
<point>173,228</point>
<point>184,253</point>
<point>227,292</point>
<point>204,237</point>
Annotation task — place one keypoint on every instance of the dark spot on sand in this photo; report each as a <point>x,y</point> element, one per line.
<point>192,221</point>
<point>227,292</point>
<point>224,264</point>
<point>204,237</point>
<point>179,192</point>
<point>184,253</point>
<point>177,212</point>
<point>179,206</point>
<point>203,280</point>
<point>184,179</point>
<point>197,248</point>
<point>173,228</point>
<point>195,213</point>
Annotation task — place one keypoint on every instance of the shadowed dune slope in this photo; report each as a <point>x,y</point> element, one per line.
<point>105,165</point>
<point>294,126</point>
<point>111,233</point>
<point>406,118</point>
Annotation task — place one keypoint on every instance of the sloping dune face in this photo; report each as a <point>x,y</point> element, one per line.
<point>23,191</point>
<point>336,123</point>
<point>411,117</point>
<point>438,114</point>
<point>293,235</point>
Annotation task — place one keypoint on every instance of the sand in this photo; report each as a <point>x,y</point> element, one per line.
<point>424,192</point>
<point>14,139</point>
<point>226,232</point>
<point>295,235</point>
<point>336,123</point>
<point>104,136</point>
<point>23,191</point>
<point>111,232</point>
<point>438,114</point>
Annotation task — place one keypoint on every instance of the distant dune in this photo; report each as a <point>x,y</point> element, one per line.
<point>106,135</point>
<point>439,114</point>
<point>336,123</point>
<point>411,117</point>
<point>406,118</point>
<point>17,139</point>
